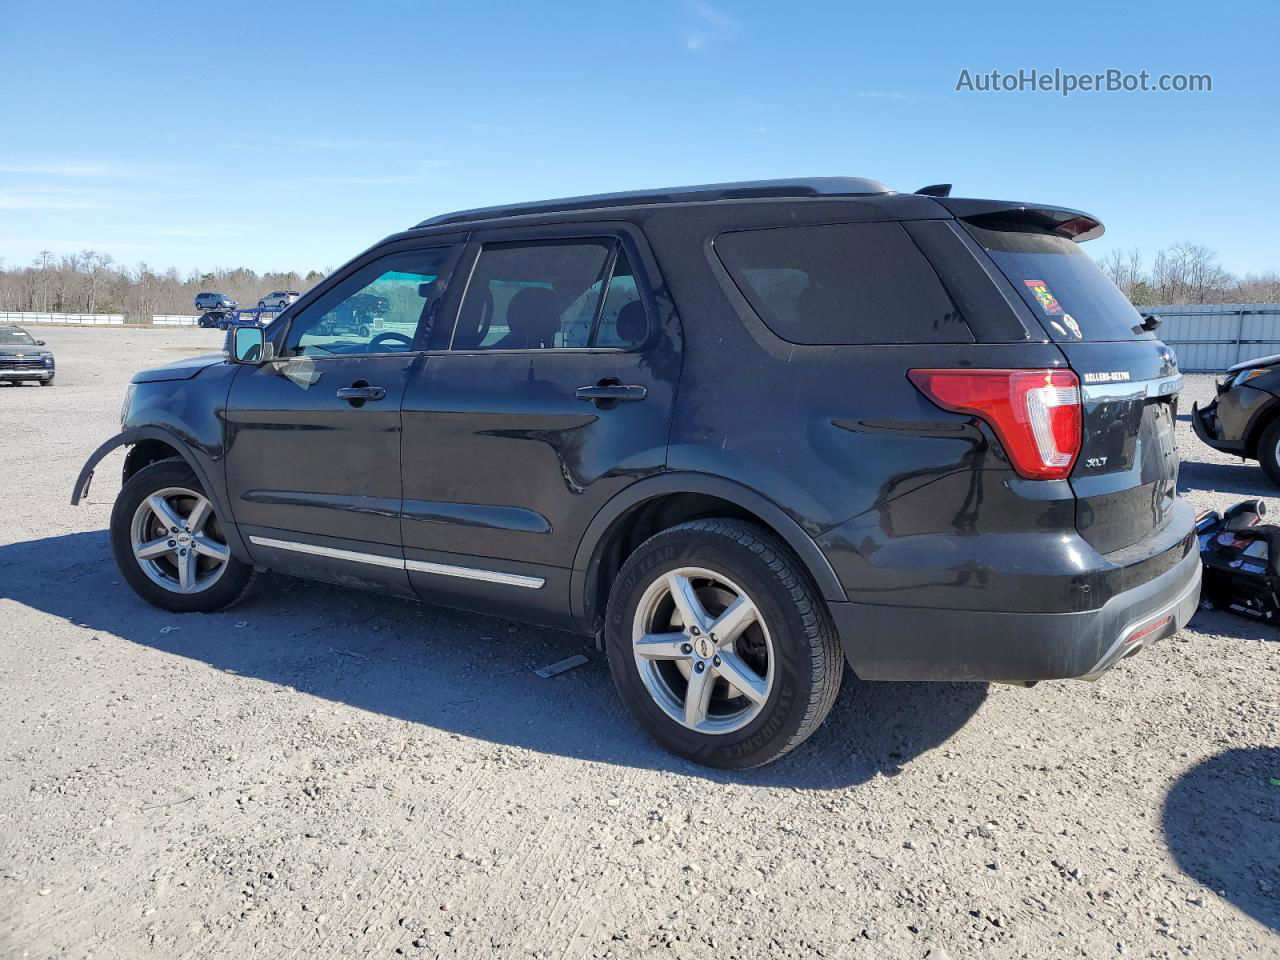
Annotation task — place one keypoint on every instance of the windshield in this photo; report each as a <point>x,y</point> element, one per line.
<point>16,338</point>
<point>1070,296</point>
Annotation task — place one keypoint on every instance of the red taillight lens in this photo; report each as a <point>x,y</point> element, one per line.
<point>1035,413</point>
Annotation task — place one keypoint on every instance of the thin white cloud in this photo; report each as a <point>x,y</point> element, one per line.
<point>59,169</point>
<point>360,179</point>
<point>26,199</point>
<point>890,95</point>
<point>709,24</point>
<point>330,143</point>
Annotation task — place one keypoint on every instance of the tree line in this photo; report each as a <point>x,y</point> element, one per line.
<point>93,282</point>
<point>1186,273</point>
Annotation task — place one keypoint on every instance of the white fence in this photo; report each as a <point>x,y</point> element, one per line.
<point>1213,336</point>
<point>174,320</point>
<point>81,319</point>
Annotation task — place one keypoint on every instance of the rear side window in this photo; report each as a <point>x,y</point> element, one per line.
<point>842,283</point>
<point>541,295</point>
<point>1069,294</point>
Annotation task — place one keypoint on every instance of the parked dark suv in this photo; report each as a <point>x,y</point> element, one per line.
<point>728,430</point>
<point>23,357</point>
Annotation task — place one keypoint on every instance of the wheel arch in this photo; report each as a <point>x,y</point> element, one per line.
<point>652,505</point>
<point>151,444</point>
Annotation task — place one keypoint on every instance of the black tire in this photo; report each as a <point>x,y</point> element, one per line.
<point>47,383</point>
<point>1269,451</point>
<point>807,664</point>
<point>229,587</point>
<point>261,305</point>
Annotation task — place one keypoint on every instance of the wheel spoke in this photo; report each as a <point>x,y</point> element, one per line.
<point>164,512</point>
<point>187,570</point>
<point>743,679</point>
<point>211,548</point>
<point>686,601</point>
<point>697,697</point>
<point>662,646</point>
<point>152,549</point>
<point>740,615</point>
<point>198,516</point>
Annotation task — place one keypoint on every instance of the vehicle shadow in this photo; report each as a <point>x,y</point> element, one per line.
<point>1246,479</point>
<point>1221,824</point>
<point>466,673</point>
<point>1235,626</point>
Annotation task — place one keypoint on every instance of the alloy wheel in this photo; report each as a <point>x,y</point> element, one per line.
<point>177,542</point>
<point>703,650</point>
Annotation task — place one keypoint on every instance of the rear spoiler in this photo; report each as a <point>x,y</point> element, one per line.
<point>1073,224</point>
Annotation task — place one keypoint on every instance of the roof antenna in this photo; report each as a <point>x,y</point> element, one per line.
<point>935,190</point>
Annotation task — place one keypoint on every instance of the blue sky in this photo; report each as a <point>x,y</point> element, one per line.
<point>294,134</point>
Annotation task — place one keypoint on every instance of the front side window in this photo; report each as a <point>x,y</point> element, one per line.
<point>547,295</point>
<point>379,309</point>
<point>843,283</point>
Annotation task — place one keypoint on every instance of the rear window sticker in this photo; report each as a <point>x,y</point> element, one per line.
<point>1074,327</point>
<point>1048,302</point>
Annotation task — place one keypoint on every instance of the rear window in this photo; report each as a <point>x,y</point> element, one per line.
<point>1069,294</point>
<point>844,283</point>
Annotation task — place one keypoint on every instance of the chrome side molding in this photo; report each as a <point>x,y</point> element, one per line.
<point>417,566</point>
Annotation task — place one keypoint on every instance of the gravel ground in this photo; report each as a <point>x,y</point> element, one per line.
<point>319,772</point>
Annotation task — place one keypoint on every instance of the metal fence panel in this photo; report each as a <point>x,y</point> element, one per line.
<point>174,320</point>
<point>80,319</point>
<point>1213,336</point>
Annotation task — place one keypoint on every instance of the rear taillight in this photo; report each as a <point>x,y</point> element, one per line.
<point>1035,413</point>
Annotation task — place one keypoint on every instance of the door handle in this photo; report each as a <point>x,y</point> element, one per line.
<point>611,392</point>
<point>359,392</point>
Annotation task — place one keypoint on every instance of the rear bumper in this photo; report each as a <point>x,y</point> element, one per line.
<point>885,642</point>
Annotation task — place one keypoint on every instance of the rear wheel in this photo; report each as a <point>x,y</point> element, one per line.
<point>169,544</point>
<point>720,645</point>
<point>1269,451</point>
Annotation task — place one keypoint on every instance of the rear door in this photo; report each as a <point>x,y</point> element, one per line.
<point>552,393</point>
<point>1126,477</point>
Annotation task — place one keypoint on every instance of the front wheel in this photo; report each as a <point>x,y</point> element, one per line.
<point>720,645</point>
<point>1269,451</point>
<point>169,544</point>
<point>47,383</point>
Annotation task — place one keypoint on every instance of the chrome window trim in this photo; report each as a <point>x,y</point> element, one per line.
<point>417,566</point>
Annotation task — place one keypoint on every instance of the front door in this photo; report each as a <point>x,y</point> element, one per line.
<point>552,394</point>
<point>313,436</point>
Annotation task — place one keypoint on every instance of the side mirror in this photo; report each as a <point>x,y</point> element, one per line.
<point>39,343</point>
<point>1149,322</point>
<point>249,345</point>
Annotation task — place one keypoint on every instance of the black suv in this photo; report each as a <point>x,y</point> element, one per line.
<point>728,430</point>
<point>23,357</point>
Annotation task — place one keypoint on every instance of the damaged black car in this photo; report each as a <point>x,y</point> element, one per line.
<point>1244,418</point>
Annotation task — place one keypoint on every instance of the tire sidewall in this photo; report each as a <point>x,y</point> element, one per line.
<point>783,713</point>
<point>168,473</point>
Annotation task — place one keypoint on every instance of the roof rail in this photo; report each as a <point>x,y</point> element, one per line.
<point>744,190</point>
